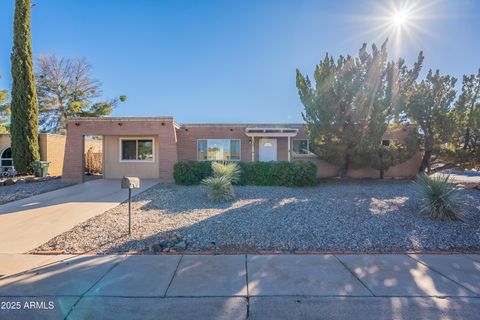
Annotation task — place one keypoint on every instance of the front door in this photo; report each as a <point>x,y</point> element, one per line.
<point>268,149</point>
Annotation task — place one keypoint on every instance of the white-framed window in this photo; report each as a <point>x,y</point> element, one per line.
<point>218,149</point>
<point>301,147</point>
<point>137,149</point>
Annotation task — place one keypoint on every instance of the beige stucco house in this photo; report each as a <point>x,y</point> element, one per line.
<point>149,147</point>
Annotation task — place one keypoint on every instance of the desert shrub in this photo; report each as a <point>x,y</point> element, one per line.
<point>229,170</point>
<point>283,173</point>
<point>191,172</point>
<point>441,198</point>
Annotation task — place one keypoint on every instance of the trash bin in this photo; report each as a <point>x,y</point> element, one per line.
<point>40,168</point>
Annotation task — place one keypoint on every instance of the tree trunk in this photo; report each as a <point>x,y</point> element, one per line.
<point>344,168</point>
<point>466,138</point>
<point>382,173</point>
<point>425,161</point>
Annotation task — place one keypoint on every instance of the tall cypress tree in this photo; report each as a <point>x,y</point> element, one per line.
<point>24,104</point>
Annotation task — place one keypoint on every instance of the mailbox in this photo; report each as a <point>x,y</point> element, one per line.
<point>130,182</point>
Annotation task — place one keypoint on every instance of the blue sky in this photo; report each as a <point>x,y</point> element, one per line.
<point>232,61</point>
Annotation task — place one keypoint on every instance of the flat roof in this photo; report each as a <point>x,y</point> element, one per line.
<point>247,125</point>
<point>122,119</point>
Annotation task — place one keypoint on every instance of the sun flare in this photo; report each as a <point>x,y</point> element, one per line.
<point>400,18</point>
<point>404,22</point>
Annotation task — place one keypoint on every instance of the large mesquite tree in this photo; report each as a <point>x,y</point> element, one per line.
<point>66,88</point>
<point>24,104</point>
<point>351,105</point>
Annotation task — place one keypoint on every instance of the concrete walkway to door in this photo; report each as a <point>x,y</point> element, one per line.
<point>25,224</point>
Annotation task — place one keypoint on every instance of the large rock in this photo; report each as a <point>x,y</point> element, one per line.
<point>470,185</point>
<point>9,182</point>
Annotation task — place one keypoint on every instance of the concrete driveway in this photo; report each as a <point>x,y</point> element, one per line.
<point>25,224</point>
<point>383,286</point>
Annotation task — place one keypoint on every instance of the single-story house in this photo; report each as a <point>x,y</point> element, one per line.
<point>52,149</point>
<point>149,147</point>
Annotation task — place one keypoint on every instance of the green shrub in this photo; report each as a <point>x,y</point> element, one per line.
<point>191,172</point>
<point>229,170</point>
<point>283,173</point>
<point>441,198</point>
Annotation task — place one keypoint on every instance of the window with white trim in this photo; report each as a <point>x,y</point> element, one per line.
<point>218,150</point>
<point>136,150</point>
<point>301,147</point>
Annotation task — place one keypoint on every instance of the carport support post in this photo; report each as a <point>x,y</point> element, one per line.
<point>129,211</point>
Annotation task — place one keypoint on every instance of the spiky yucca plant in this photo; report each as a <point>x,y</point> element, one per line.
<point>219,185</point>
<point>441,197</point>
<point>220,188</point>
<point>229,170</point>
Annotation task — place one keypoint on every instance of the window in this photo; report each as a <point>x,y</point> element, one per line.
<point>301,147</point>
<point>6,159</point>
<point>136,150</point>
<point>218,150</point>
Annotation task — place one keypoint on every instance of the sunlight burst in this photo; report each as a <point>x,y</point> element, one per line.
<point>400,18</point>
<point>403,22</point>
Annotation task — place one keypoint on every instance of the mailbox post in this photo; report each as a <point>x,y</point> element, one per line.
<point>130,183</point>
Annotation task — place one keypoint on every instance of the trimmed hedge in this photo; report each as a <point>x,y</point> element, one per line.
<point>191,172</point>
<point>283,173</point>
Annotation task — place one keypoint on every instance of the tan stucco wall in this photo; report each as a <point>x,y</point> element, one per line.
<point>5,141</point>
<point>52,149</point>
<point>114,168</point>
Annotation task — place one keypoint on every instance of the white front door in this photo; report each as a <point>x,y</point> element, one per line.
<point>268,149</point>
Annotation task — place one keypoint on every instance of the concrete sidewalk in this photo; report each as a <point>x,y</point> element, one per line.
<point>25,224</point>
<point>244,286</point>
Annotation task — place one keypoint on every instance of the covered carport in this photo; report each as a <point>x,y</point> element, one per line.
<point>158,131</point>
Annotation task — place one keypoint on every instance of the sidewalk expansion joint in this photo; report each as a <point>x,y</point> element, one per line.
<point>354,275</point>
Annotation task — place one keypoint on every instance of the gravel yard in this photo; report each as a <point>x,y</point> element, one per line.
<point>358,216</point>
<point>24,190</point>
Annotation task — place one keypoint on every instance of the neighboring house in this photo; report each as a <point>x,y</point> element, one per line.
<point>149,147</point>
<point>52,149</point>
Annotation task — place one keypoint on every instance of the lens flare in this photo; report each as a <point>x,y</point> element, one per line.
<point>403,22</point>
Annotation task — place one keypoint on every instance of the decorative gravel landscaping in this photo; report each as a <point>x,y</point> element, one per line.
<point>23,189</point>
<point>357,216</point>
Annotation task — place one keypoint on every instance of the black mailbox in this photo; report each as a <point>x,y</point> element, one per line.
<point>130,182</point>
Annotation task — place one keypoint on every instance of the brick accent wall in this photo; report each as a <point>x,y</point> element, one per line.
<point>162,128</point>
<point>179,143</point>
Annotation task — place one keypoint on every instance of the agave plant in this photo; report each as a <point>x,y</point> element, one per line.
<point>441,197</point>
<point>229,170</point>
<point>219,188</point>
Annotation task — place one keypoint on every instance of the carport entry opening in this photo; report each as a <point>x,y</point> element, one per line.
<point>93,156</point>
